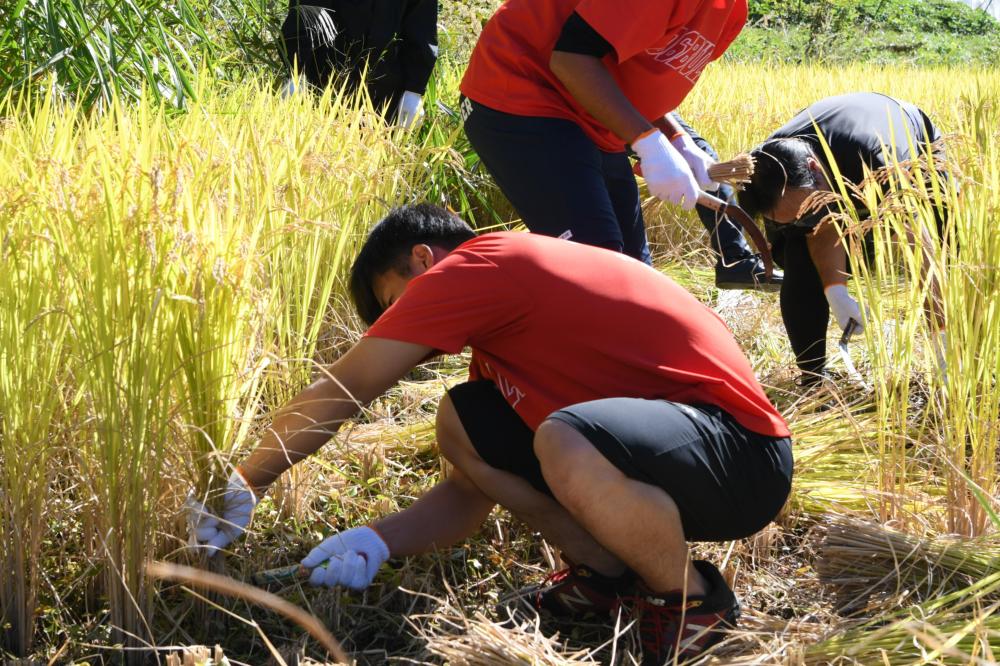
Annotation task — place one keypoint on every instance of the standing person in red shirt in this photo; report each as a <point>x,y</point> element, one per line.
<point>605,406</point>
<point>554,93</point>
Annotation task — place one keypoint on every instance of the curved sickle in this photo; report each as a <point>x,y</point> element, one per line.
<point>741,216</point>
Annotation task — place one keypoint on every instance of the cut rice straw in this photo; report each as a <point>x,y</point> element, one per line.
<point>736,171</point>
<point>862,556</point>
<point>233,588</point>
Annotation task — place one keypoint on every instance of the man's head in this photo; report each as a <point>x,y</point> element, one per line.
<point>786,172</point>
<point>407,242</point>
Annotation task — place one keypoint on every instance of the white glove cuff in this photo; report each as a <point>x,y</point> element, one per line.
<point>239,482</point>
<point>683,142</point>
<point>651,145</point>
<point>836,292</point>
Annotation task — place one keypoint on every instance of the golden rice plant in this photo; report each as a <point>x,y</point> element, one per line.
<point>193,268</point>
<point>951,435</point>
<point>33,390</point>
<point>191,271</point>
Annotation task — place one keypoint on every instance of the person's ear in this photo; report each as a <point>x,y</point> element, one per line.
<point>816,169</point>
<point>421,258</point>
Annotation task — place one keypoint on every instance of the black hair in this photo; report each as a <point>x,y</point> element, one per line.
<point>389,244</point>
<point>778,165</point>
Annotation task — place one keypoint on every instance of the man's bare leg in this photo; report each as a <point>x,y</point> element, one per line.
<point>515,494</point>
<point>637,522</point>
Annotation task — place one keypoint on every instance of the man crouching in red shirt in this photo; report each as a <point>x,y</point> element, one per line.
<point>606,407</point>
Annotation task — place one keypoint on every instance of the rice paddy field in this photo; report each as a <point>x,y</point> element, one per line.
<point>169,277</point>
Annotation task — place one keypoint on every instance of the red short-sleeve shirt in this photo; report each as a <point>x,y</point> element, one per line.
<point>554,323</point>
<point>661,48</point>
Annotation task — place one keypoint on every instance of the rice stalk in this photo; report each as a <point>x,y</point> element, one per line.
<point>960,428</point>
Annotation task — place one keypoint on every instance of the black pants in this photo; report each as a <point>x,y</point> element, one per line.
<point>724,235</point>
<point>804,308</point>
<point>558,180</point>
<point>727,481</point>
<point>562,185</point>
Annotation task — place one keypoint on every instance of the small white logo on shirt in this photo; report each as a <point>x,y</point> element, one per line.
<point>511,392</point>
<point>687,53</point>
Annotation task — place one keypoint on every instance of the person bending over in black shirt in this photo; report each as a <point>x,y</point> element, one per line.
<point>863,131</point>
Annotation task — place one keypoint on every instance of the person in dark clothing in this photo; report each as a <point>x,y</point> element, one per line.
<point>558,93</point>
<point>864,131</point>
<point>736,265</point>
<point>389,45</point>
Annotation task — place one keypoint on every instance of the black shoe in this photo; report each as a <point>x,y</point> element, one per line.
<point>809,379</point>
<point>747,273</point>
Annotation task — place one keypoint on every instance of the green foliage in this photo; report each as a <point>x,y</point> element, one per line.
<point>945,16</point>
<point>925,32</point>
<point>91,51</point>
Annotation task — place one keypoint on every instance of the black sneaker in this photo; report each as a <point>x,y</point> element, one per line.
<point>578,591</point>
<point>809,380</point>
<point>672,627</point>
<point>747,273</point>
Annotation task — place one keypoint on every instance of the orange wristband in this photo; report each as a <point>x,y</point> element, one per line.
<point>643,136</point>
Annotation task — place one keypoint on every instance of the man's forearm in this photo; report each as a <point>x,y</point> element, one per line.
<point>828,254</point>
<point>448,513</point>
<point>590,82</point>
<point>302,427</point>
<point>669,126</point>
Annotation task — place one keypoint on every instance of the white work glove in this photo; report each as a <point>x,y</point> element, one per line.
<point>667,174</point>
<point>238,503</point>
<point>697,160</point>
<point>411,110</point>
<point>844,307</point>
<point>350,559</point>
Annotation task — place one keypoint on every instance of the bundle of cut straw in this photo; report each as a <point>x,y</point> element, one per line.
<point>736,172</point>
<point>861,556</point>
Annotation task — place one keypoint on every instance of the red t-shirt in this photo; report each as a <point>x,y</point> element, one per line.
<point>553,324</point>
<point>660,49</point>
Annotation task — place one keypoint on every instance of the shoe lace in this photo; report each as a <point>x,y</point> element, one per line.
<point>556,577</point>
<point>656,619</point>
<point>553,579</point>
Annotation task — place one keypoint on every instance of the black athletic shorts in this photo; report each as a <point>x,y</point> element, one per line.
<point>727,482</point>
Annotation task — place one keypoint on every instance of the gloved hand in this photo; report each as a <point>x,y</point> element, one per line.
<point>667,175</point>
<point>349,558</point>
<point>697,160</point>
<point>238,503</point>
<point>844,307</point>
<point>411,110</point>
